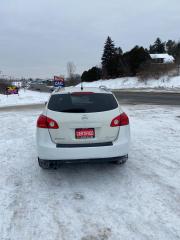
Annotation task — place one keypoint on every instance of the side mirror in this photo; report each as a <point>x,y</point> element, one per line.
<point>45,103</point>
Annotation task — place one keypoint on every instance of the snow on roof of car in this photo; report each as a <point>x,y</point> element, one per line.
<point>165,56</point>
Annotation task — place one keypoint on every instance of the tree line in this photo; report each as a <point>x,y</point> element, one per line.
<point>115,63</point>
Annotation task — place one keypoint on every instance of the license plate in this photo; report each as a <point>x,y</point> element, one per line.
<point>84,133</point>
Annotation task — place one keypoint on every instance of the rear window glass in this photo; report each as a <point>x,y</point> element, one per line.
<point>82,103</point>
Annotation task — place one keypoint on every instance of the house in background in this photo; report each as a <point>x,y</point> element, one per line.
<point>162,58</point>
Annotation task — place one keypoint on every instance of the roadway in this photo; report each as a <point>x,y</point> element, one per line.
<point>157,98</point>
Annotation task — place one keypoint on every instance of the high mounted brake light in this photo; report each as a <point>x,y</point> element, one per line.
<point>81,93</point>
<point>45,122</point>
<point>120,120</point>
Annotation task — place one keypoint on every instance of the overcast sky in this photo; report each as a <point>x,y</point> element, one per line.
<point>39,37</point>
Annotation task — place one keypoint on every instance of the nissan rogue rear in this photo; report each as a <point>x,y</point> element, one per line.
<point>82,125</point>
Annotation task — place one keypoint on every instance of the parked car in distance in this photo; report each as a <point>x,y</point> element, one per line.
<point>82,125</point>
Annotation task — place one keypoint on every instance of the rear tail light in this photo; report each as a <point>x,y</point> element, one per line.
<point>45,122</point>
<point>120,120</point>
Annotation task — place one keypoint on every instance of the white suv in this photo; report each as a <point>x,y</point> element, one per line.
<point>82,124</point>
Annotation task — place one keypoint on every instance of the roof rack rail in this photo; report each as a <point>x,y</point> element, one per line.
<point>104,88</point>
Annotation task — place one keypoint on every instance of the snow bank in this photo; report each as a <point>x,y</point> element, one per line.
<point>24,97</point>
<point>133,82</point>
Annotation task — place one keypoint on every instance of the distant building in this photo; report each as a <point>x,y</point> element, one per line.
<point>162,58</point>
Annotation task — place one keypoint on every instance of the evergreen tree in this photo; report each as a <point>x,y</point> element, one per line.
<point>119,51</point>
<point>135,58</point>
<point>157,47</point>
<point>177,53</point>
<point>92,74</point>
<point>177,56</point>
<point>171,47</point>
<point>108,58</point>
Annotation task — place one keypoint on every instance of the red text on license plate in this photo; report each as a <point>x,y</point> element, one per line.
<point>85,133</point>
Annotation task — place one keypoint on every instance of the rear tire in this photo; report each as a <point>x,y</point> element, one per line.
<point>121,160</point>
<point>46,164</point>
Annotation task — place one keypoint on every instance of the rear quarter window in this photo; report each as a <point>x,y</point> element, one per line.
<point>82,103</point>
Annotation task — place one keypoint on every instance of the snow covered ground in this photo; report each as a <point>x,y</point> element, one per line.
<point>25,97</point>
<point>139,200</point>
<point>133,82</point>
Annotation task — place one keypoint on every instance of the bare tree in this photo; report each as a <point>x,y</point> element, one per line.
<point>71,68</point>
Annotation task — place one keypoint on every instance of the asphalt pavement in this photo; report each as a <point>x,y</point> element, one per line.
<point>157,98</point>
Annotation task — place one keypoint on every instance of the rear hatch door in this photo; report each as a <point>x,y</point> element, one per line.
<point>83,118</point>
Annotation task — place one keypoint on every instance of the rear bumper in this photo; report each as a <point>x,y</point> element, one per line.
<point>47,150</point>
<point>92,160</point>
